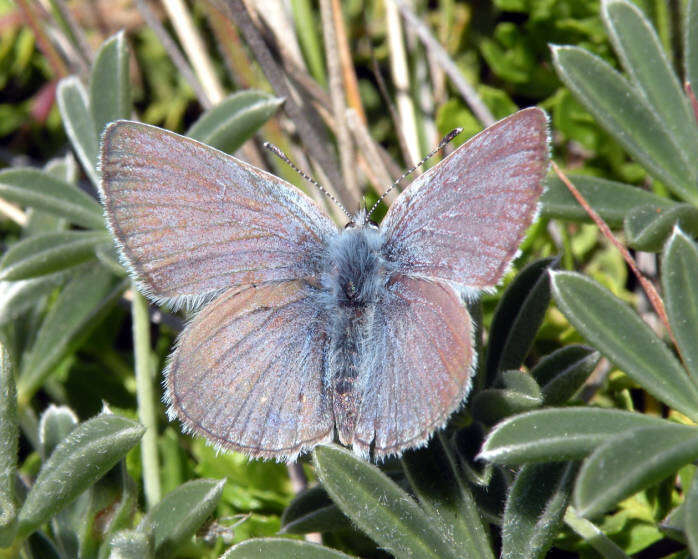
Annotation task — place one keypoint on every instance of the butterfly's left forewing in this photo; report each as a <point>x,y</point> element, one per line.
<point>247,372</point>
<point>464,219</point>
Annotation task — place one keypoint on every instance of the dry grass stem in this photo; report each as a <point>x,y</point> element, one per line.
<point>401,79</point>
<point>58,65</point>
<point>334,72</point>
<point>176,56</point>
<point>647,286</point>
<point>351,83</point>
<point>376,170</point>
<point>194,46</point>
<point>442,58</point>
<point>304,117</point>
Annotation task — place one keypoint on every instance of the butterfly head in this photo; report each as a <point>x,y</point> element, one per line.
<point>354,271</point>
<point>361,219</point>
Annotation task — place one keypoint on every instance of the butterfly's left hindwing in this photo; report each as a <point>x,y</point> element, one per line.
<point>247,372</point>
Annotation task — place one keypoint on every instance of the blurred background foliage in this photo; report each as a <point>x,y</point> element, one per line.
<point>67,314</point>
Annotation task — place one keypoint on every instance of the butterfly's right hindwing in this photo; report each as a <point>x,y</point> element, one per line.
<point>247,372</point>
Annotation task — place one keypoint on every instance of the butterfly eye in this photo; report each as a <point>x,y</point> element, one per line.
<point>372,224</point>
<point>350,225</point>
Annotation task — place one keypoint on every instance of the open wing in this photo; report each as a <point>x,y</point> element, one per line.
<point>422,366</point>
<point>192,221</point>
<point>247,372</point>
<point>463,220</point>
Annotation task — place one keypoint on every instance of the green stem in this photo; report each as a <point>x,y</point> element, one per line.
<point>9,436</point>
<point>147,412</point>
<point>593,535</point>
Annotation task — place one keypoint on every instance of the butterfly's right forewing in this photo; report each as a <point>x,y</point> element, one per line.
<point>192,221</point>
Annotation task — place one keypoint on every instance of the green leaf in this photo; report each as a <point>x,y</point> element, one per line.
<point>679,274</point>
<point>555,435</point>
<point>43,548</point>
<point>181,512</point>
<point>234,120</point>
<point>612,200</point>
<point>77,310</point>
<point>56,423</point>
<point>435,479</point>
<point>130,544</point>
<point>624,113</point>
<point>313,511</point>
<point>522,382</point>
<point>82,526</point>
<point>593,535</point>
<point>690,29</point>
<point>9,439</point>
<point>306,29</point>
<point>645,61</point>
<point>517,318</point>
<point>494,404</point>
<point>279,548</point>
<point>108,255</point>
<point>110,88</point>
<point>535,508</point>
<point>79,124</point>
<point>48,253</point>
<point>690,517</point>
<point>563,372</point>
<point>674,523</point>
<point>648,227</point>
<point>63,168</point>
<point>123,502</point>
<point>632,461</point>
<point>17,297</point>
<point>622,336</point>
<point>34,188</point>
<point>80,460</point>
<point>386,513</point>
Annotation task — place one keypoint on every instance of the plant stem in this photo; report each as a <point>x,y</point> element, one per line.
<point>334,71</point>
<point>174,53</point>
<point>9,437</point>
<point>194,46</point>
<point>308,124</point>
<point>147,413</point>
<point>647,286</point>
<point>442,58</point>
<point>593,535</point>
<point>401,79</point>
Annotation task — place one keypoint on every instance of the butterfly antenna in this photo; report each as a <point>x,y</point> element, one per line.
<point>445,140</point>
<point>281,155</point>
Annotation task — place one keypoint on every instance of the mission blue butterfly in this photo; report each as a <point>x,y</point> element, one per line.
<point>309,332</point>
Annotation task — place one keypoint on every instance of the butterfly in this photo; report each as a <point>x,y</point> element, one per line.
<point>309,332</point>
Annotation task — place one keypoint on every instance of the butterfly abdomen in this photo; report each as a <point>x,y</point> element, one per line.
<point>353,282</point>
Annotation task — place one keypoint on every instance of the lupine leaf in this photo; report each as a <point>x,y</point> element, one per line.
<point>649,454</point>
<point>621,335</point>
<point>558,434</point>
<point>110,85</point>
<point>78,461</point>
